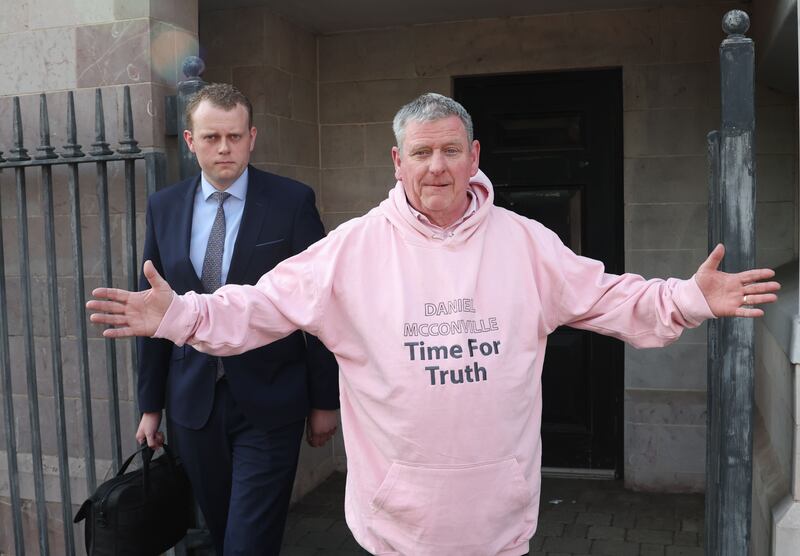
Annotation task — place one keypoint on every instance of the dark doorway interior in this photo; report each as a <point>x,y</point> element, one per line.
<point>552,145</point>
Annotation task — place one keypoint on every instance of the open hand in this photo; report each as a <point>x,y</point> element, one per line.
<point>132,313</point>
<point>735,295</point>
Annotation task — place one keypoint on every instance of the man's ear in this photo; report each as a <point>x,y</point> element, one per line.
<point>396,160</point>
<point>187,136</point>
<point>475,153</point>
<point>253,133</point>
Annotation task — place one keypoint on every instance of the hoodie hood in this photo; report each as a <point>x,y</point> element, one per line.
<point>397,211</point>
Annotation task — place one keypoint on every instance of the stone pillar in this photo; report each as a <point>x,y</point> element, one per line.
<point>786,513</point>
<point>102,43</point>
<point>54,47</point>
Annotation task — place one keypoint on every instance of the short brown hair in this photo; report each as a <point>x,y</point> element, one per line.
<point>221,95</point>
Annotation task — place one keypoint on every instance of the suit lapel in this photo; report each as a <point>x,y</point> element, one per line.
<point>256,213</point>
<point>184,235</point>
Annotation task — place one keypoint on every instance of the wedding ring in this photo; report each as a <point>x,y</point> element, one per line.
<point>744,300</point>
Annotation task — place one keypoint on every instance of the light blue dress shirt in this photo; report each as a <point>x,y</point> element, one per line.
<point>205,210</point>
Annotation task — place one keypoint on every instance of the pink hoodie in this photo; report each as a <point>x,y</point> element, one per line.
<point>440,343</point>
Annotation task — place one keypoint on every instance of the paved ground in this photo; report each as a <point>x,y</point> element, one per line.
<point>577,517</point>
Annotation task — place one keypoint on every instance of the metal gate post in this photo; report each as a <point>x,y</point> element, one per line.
<point>731,340</point>
<point>193,67</point>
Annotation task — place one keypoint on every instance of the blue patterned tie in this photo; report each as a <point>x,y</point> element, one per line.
<point>212,263</point>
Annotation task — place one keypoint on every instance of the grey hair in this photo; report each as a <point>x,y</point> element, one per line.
<point>427,108</point>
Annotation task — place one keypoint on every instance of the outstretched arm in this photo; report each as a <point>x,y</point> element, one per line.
<point>735,295</point>
<point>132,313</point>
<point>651,313</point>
<point>232,320</point>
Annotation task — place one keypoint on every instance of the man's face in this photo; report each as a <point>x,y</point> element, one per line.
<point>221,141</point>
<point>435,166</point>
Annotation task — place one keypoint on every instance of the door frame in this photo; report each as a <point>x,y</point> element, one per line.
<point>616,173</point>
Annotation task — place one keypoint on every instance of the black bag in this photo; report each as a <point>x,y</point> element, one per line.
<point>142,513</point>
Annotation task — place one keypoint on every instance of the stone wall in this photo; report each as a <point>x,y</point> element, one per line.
<point>274,62</point>
<point>776,428</point>
<point>773,425</point>
<point>79,45</point>
<point>776,436</point>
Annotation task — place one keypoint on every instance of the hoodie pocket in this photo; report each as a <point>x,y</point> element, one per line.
<point>478,508</point>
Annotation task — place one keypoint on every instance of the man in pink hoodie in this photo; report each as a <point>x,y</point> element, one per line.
<point>437,305</point>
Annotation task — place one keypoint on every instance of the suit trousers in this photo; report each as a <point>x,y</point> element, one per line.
<point>241,476</point>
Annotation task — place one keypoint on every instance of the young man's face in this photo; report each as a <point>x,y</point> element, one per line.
<point>435,166</point>
<point>221,141</point>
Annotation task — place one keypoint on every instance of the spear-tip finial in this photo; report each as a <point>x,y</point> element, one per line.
<point>46,151</point>
<point>100,146</point>
<point>18,151</point>
<point>128,144</point>
<point>72,149</point>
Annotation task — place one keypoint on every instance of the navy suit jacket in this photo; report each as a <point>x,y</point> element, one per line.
<point>273,385</point>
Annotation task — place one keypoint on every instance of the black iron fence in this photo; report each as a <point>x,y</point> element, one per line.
<point>39,331</point>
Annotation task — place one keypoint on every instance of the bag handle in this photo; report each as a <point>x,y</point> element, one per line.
<point>130,459</point>
<point>147,456</point>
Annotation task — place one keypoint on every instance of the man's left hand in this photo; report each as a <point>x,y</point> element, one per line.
<point>735,295</point>
<point>321,426</point>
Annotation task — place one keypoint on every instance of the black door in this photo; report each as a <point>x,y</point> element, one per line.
<point>552,145</point>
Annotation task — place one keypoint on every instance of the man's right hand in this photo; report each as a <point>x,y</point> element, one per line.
<point>132,313</point>
<point>148,430</point>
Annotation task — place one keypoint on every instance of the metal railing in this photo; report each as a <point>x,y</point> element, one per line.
<point>46,161</point>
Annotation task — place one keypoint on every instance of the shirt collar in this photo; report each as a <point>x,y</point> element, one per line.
<point>237,189</point>
<point>471,209</point>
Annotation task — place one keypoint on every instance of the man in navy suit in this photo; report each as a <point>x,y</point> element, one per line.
<point>236,422</point>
